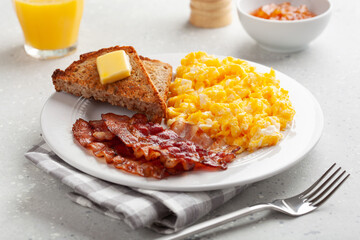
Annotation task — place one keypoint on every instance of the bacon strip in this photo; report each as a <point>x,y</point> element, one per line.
<point>147,149</point>
<point>152,141</point>
<point>114,151</point>
<point>195,134</point>
<point>101,132</point>
<point>82,132</point>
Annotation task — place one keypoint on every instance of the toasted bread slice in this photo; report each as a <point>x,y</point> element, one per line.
<point>136,92</point>
<point>160,74</point>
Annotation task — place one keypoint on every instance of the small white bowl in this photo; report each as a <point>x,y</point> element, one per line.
<point>284,36</point>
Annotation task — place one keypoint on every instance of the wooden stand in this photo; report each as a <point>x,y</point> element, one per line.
<point>211,13</point>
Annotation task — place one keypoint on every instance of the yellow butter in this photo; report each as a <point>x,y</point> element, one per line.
<point>113,66</point>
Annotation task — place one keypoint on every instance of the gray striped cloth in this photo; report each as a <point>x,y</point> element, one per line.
<point>164,212</point>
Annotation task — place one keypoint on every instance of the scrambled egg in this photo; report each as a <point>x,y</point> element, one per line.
<point>228,99</point>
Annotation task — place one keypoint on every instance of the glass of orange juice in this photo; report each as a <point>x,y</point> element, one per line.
<point>50,27</point>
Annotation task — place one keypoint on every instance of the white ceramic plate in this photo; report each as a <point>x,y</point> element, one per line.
<point>61,111</point>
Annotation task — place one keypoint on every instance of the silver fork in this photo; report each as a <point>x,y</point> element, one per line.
<point>298,205</point>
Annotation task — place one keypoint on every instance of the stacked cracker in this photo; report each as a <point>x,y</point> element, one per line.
<point>211,13</point>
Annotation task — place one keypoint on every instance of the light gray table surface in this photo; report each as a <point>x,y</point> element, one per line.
<point>33,205</point>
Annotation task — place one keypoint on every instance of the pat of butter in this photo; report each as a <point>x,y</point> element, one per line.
<point>113,66</point>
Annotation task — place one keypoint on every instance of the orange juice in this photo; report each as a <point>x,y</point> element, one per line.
<point>49,24</point>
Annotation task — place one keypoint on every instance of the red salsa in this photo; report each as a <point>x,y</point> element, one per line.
<point>284,12</point>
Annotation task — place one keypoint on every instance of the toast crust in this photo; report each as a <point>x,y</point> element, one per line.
<point>154,68</point>
<point>136,92</point>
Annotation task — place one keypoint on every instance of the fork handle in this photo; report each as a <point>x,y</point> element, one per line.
<point>212,223</point>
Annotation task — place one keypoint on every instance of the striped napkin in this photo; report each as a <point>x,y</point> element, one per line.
<point>164,212</point>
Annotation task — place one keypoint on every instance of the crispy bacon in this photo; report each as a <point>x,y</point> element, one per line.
<point>152,141</point>
<point>114,151</point>
<point>141,167</point>
<point>83,132</point>
<point>147,149</point>
<point>101,132</point>
<point>195,134</point>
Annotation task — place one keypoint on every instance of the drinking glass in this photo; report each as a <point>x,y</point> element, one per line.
<point>50,27</point>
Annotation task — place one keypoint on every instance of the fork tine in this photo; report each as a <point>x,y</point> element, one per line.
<point>317,189</point>
<point>324,198</point>
<point>324,188</point>
<point>307,191</point>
